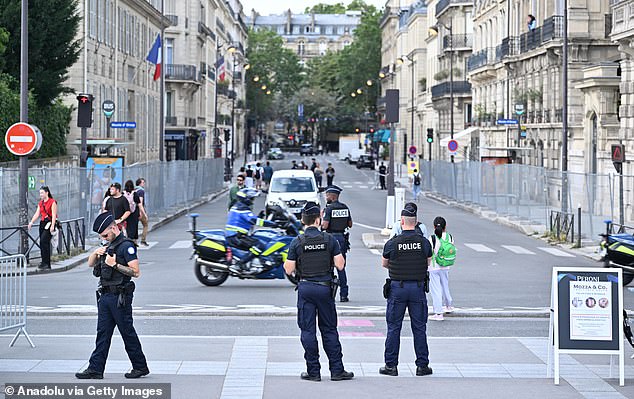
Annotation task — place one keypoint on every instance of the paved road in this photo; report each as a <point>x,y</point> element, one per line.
<point>497,268</point>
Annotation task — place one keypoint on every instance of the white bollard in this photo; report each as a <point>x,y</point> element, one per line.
<point>389,212</point>
<point>399,202</point>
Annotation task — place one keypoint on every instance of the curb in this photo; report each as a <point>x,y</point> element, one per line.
<point>69,264</point>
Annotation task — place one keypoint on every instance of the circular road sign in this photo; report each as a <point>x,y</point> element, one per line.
<point>412,150</point>
<point>23,139</point>
<point>108,108</point>
<point>452,145</point>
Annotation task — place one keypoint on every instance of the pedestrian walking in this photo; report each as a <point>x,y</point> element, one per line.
<point>257,175</point>
<point>233,191</point>
<point>104,201</point>
<point>337,221</point>
<point>444,250</point>
<point>330,175</point>
<point>119,206</point>
<point>416,181</point>
<point>267,175</point>
<point>294,164</point>
<point>249,176</point>
<point>382,174</point>
<point>313,165</point>
<point>302,165</point>
<point>311,257</point>
<point>319,172</point>
<point>143,216</point>
<point>47,212</point>
<point>420,226</point>
<point>115,264</point>
<point>136,207</point>
<point>406,257</point>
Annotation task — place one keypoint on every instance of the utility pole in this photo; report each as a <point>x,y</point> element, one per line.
<point>24,117</point>
<point>564,116</point>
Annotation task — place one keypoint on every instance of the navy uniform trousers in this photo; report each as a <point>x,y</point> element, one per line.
<point>315,302</point>
<point>109,316</point>
<point>343,279</point>
<point>410,296</point>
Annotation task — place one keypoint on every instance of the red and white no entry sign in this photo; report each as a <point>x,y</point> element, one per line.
<point>23,139</point>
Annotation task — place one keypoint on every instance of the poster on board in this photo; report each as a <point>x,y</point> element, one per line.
<point>590,311</point>
<point>103,171</point>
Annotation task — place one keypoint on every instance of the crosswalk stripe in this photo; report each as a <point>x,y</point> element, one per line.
<point>347,186</point>
<point>181,244</point>
<point>556,252</point>
<point>518,250</point>
<point>375,251</point>
<point>480,248</point>
<point>344,182</point>
<point>363,186</point>
<point>150,244</point>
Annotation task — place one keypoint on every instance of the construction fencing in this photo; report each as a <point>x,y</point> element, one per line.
<point>13,296</point>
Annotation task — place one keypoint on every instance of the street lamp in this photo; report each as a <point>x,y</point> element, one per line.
<point>401,61</point>
<point>256,78</point>
<point>433,31</point>
<point>353,94</point>
<point>230,49</point>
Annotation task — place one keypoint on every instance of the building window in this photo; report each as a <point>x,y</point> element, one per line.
<point>92,21</point>
<point>346,43</point>
<point>301,47</point>
<point>323,47</point>
<point>169,51</point>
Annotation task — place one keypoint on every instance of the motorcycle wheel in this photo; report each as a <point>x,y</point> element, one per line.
<point>208,277</point>
<point>627,278</point>
<point>293,279</point>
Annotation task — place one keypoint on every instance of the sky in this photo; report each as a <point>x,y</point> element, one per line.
<point>266,7</point>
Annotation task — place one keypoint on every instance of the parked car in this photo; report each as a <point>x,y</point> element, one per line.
<point>365,161</point>
<point>306,149</point>
<point>275,153</point>
<point>292,189</point>
<point>354,154</point>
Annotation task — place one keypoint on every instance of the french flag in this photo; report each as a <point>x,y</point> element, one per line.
<point>154,56</point>
<point>220,66</point>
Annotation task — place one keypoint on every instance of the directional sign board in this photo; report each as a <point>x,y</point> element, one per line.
<point>123,125</point>
<point>507,122</point>
<point>108,108</point>
<point>519,109</point>
<point>23,139</point>
<point>452,145</point>
<point>412,150</point>
<point>31,182</point>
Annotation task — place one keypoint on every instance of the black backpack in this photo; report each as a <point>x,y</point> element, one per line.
<point>257,173</point>
<point>417,180</point>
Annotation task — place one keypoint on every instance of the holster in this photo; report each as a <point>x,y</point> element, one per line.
<point>427,282</point>
<point>387,288</point>
<point>346,237</point>
<point>334,286</point>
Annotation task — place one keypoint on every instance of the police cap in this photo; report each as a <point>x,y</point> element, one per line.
<point>408,211</point>
<point>334,190</point>
<point>102,222</point>
<point>311,208</point>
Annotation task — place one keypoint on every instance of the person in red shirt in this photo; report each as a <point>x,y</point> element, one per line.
<point>47,212</point>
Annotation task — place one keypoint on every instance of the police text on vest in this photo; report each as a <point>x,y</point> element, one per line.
<point>314,247</point>
<point>340,213</point>
<point>409,246</point>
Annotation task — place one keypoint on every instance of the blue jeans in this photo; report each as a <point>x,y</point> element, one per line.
<point>410,296</point>
<point>415,191</point>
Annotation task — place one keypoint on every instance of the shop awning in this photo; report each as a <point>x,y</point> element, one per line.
<point>386,136</point>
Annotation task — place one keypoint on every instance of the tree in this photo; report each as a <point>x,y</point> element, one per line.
<point>53,47</point>
<point>322,8</point>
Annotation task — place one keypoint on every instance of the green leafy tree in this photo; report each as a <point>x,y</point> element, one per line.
<point>4,39</point>
<point>322,8</point>
<point>53,44</point>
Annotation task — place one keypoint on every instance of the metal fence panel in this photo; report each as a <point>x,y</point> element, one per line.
<point>13,296</point>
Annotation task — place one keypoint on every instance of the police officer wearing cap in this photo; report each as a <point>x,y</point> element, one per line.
<point>336,220</point>
<point>312,256</point>
<point>115,263</point>
<point>406,256</point>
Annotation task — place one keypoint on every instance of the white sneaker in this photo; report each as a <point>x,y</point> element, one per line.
<point>447,309</point>
<point>438,317</point>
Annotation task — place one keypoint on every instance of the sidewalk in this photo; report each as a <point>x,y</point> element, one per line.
<point>156,221</point>
<point>269,367</point>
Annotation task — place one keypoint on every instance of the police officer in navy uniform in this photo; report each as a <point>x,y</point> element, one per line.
<point>115,265</point>
<point>311,257</point>
<point>336,220</point>
<point>406,256</point>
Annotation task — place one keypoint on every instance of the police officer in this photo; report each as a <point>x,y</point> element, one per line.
<point>406,256</point>
<point>115,265</point>
<point>336,220</point>
<point>239,222</point>
<point>311,256</point>
<point>382,174</point>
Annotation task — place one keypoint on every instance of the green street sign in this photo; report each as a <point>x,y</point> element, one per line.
<point>31,182</point>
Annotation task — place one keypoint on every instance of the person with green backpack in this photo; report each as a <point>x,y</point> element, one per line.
<point>444,257</point>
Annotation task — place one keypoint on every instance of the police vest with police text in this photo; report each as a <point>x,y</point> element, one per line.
<point>339,216</point>
<point>314,259</point>
<point>116,278</point>
<point>408,261</point>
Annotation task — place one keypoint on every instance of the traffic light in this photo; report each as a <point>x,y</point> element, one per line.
<point>371,130</point>
<point>227,134</point>
<point>357,130</point>
<point>430,135</point>
<point>84,110</point>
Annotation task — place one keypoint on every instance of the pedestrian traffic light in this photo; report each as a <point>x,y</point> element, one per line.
<point>430,135</point>
<point>357,130</point>
<point>227,134</point>
<point>84,110</point>
<point>371,130</point>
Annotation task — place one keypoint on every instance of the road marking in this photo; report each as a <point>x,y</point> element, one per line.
<point>367,227</point>
<point>181,244</point>
<point>355,323</point>
<point>150,244</point>
<point>480,248</point>
<point>556,252</point>
<point>518,250</point>
<point>363,186</point>
<point>344,182</point>
<point>376,252</point>
<point>347,186</point>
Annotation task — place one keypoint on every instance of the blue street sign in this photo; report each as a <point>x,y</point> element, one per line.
<point>507,122</point>
<point>123,125</point>
<point>300,110</point>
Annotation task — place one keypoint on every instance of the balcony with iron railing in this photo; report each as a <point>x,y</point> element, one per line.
<point>551,29</point>
<point>171,121</point>
<point>457,42</point>
<point>204,30</point>
<point>487,56</point>
<point>443,89</point>
<point>180,72</point>
<point>443,5</point>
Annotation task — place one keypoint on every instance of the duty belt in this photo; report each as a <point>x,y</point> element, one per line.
<point>111,289</point>
<point>324,283</point>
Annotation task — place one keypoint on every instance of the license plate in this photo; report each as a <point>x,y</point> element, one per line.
<point>295,210</point>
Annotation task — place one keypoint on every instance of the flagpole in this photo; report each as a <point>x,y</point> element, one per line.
<point>162,89</point>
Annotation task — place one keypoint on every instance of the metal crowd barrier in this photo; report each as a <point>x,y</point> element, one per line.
<point>13,296</point>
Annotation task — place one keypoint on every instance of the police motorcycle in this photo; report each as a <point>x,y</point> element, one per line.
<point>214,261</point>
<point>618,251</point>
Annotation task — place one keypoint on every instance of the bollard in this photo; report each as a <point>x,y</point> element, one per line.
<point>579,227</point>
